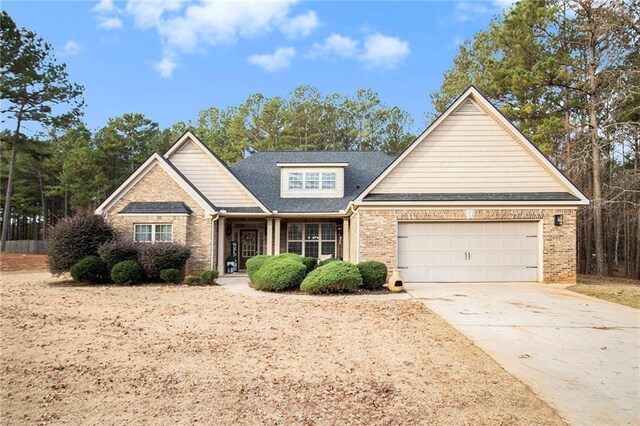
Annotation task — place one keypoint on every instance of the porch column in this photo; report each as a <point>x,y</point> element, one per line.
<point>221,236</point>
<point>276,237</point>
<point>269,237</point>
<point>346,252</point>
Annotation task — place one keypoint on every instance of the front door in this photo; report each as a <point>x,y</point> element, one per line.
<point>248,246</point>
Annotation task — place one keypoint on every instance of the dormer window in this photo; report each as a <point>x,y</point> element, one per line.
<point>312,180</point>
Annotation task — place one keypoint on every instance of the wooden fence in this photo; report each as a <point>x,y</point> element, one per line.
<point>26,246</point>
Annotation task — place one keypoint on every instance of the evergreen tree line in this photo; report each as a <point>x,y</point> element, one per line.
<point>565,72</point>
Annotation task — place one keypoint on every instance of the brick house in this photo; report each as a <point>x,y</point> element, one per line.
<point>471,199</point>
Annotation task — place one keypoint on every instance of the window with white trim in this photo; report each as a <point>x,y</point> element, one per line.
<point>152,233</point>
<point>312,180</point>
<point>312,239</point>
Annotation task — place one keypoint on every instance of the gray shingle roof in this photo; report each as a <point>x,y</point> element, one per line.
<point>482,196</point>
<point>156,207</point>
<point>260,174</point>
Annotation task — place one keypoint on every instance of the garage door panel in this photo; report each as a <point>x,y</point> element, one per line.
<point>468,251</point>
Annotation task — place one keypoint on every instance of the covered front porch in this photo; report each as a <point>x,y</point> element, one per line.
<point>238,238</point>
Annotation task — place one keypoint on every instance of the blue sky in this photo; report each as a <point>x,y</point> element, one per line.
<point>171,59</point>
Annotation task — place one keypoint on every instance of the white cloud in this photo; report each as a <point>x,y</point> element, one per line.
<point>301,25</point>
<point>275,61</point>
<point>148,14</point>
<point>165,67</point>
<point>381,51</point>
<point>104,6</point>
<point>333,46</point>
<point>71,48</point>
<point>468,11</point>
<point>109,23</point>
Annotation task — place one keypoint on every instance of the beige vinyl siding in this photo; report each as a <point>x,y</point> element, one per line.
<point>469,152</point>
<point>210,178</point>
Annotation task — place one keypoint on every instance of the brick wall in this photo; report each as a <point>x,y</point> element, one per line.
<point>193,230</point>
<point>376,234</point>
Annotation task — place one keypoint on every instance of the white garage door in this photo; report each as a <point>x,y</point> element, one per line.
<point>468,252</point>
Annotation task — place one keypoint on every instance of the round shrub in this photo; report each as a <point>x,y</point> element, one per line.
<point>310,262</point>
<point>290,256</point>
<point>170,275</point>
<point>90,269</point>
<point>255,263</point>
<point>127,272</point>
<point>155,257</point>
<point>374,274</point>
<point>326,261</point>
<point>334,277</point>
<point>116,251</point>
<point>209,277</point>
<point>279,274</point>
<point>191,280</point>
<point>75,238</point>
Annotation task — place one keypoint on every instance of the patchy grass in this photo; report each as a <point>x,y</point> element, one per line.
<point>163,354</point>
<point>617,290</point>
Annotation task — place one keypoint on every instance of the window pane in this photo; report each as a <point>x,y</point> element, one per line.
<point>312,181</point>
<point>311,249</point>
<point>295,180</point>
<point>328,181</point>
<point>294,247</point>
<point>329,249</point>
<point>294,231</point>
<point>142,233</point>
<point>163,233</point>
<point>328,231</point>
<point>311,231</point>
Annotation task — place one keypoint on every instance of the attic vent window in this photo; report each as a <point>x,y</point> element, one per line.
<point>312,180</point>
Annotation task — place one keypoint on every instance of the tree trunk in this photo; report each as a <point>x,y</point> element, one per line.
<point>6,213</point>
<point>601,268</point>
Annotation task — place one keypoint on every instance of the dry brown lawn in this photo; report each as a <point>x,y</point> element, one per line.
<point>618,290</point>
<point>176,354</point>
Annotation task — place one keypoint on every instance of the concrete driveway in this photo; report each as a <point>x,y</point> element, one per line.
<point>580,354</point>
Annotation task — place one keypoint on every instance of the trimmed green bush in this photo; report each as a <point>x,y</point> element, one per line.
<point>291,256</point>
<point>116,251</point>
<point>75,238</point>
<point>310,262</point>
<point>326,261</point>
<point>191,280</point>
<point>255,263</point>
<point>334,277</point>
<point>374,274</point>
<point>155,257</point>
<point>279,274</point>
<point>170,275</point>
<point>127,272</point>
<point>209,277</point>
<point>90,269</point>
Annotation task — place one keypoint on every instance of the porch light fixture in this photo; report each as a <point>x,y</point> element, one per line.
<point>558,220</point>
<point>228,231</point>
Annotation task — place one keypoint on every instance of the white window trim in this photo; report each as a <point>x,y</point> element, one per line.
<point>320,180</point>
<point>153,232</point>
<point>319,240</point>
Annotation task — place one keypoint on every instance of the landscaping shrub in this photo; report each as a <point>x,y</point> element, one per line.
<point>310,262</point>
<point>209,277</point>
<point>155,257</point>
<point>374,274</point>
<point>170,275</point>
<point>75,238</point>
<point>290,256</point>
<point>191,280</point>
<point>90,269</point>
<point>334,277</point>
<point>329,260</point>
<point>279,274</point>
<point>255,263</point>
<point>116,251</point>
<point>127,272</point>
